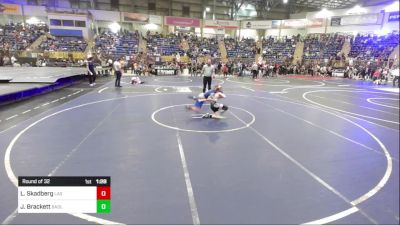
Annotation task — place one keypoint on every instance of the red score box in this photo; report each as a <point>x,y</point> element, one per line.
<point>104,193</point>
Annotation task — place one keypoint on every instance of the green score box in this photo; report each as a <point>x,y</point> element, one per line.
<point>103,206</point>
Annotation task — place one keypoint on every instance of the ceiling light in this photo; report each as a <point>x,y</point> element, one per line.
<point>324,13</point>
<point>394,7</point>
<point>151,26</point>
<point>114,27</point>
<point>33,20</point>
<point>357,10</point>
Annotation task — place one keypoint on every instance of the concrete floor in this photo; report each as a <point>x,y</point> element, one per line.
<point>290,151</point>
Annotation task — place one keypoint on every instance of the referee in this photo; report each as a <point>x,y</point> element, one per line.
<point>208,72</point>
<point>117,70</point>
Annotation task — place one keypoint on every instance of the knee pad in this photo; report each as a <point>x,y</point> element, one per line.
<point>224,107</point>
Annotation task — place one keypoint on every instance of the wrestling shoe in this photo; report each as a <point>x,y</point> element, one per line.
<point>206,116</point>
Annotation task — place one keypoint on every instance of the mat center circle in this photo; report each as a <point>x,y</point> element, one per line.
<point>177,118</point>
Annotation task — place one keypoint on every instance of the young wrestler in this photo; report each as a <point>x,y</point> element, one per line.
<point>203,97</point>
<point>216,107</point>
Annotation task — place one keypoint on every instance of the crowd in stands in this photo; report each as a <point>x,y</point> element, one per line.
<point>245,48</point>
<point>111,45</point>
<point>373,46</point>
<point>320,51</point>
<point>278,50</point>
<point>158,44</point>
<point>323,46</point>
<point>15,37</point>
<point>199,47</point>
<point>70,44</point>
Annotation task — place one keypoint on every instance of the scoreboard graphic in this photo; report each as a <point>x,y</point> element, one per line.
<point>64,194</point>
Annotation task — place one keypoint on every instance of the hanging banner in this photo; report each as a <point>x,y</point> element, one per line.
<point>155,19</point>
<point>335,21</point>
<point>135,17</point>
<point>104,15</point>
<point>182,21</point>
<point>10,9</point>
<point>315,23</point>
<point>220,31</point>
<point>394,17</point>
<point>294,23</point>
<point>360,19</point>
<point>276,23</point>
<point>257,24</point>
<point>221,24</point>
<point>33,10</point>
<point>67,11</point>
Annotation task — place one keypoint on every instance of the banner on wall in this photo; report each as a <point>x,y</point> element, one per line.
<point>155,19</point>
<point>33,10</point>
<point>394,17</point>
<point>220,31</point>
<point>294,23</point>
<point>104,15</point>
<point>10,9</point>
<point>335,21</point>
<point>360,19</point>
<point>67,11</point>
<point>315,23</point>
<point>257,24</point>
<point>135,17</point>
<point>221,24</point>
<point>276,23</point>
<point>182,21</point>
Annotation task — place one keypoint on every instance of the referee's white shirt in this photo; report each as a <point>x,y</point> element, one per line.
<point>117,66</point>
<point>208,70</point>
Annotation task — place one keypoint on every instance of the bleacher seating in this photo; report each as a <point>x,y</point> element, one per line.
<point>245,48</point>
<point>373,46</point>
<point>69,44</point>
<point>15,37</point>
<point>322,46</point>
<point>111,45</point>
<point>202,46</point>
<point>170,45</point>
<point>278,50</point>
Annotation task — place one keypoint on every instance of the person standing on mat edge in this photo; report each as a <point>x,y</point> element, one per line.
<point>90,71</point>
<point>208,72</point>
<point>118,73</point>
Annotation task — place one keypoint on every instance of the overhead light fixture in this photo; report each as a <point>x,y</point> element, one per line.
<point>151,26</point>
<point>357,10</point>
<point>394,7</point>
<point>285,1</point>
<point>114,27</point>
<point>382,31</point>
<point>33,20</point>
<point>208,9</point>
<point>324,13</point>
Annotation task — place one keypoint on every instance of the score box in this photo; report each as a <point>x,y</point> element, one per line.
<point>64,194</point>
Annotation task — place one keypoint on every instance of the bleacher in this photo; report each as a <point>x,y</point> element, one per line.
<point>70,44</point>
<point>164,45</point>
<point>322,46</point>
<point>373,46</point>
<point>111,45</point>
<point>245,48</point>
<point>15,37</point>
<point>278,50</point>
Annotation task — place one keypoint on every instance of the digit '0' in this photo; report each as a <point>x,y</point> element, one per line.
<point>103,206</point>
<point>103,193</point>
